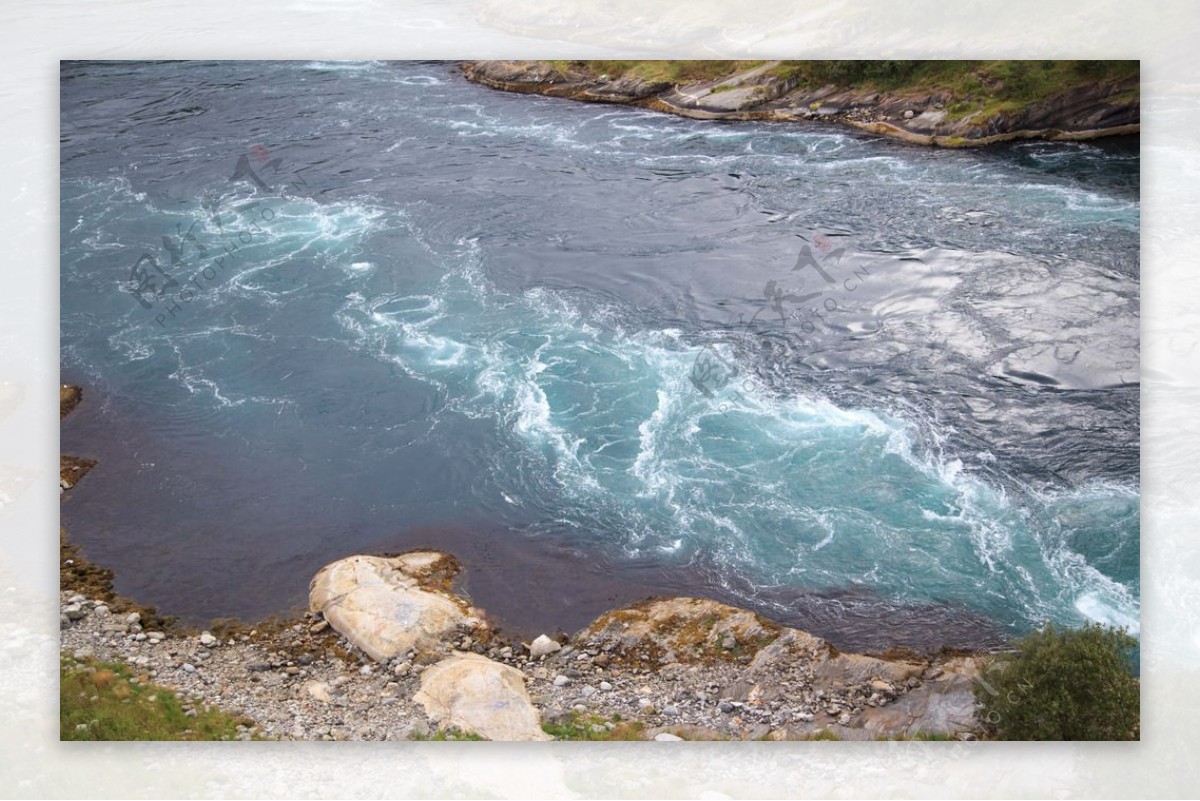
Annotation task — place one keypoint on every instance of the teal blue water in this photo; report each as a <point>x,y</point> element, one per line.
<point>585,329</point>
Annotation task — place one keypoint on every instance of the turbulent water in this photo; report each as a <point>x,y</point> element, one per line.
<point>884,392</point>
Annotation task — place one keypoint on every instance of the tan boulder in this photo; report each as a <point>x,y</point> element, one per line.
<point>859,669</point>
<point>680,629</point>
<point>475,694</point>
<point>387,605</point>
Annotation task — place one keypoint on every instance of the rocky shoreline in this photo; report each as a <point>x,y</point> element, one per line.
<point>390,651</point>
<point>1105,108</point>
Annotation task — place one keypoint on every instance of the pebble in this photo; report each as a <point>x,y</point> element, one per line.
<point>188,667</point>
<point>319,691</point>
<point>605,686</point>
<point>667,737</point>
<point>561,681</point>
<point>207,640</point>
<point>587,691</point>
<point>543,646</point>
<point>133,619</point>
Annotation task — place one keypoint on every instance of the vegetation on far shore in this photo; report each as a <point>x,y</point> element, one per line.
<point>966,87</point>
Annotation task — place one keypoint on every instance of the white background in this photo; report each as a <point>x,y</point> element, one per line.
<point>35,36</point>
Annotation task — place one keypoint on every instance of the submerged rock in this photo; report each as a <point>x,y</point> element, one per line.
<point>388,605</point>
<point>473,693</point>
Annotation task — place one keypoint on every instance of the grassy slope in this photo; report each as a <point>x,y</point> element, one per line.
<point>107,701</point>
<point>967,86</point>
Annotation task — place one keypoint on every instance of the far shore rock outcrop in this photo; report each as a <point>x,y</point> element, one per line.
<point>1101,108</point>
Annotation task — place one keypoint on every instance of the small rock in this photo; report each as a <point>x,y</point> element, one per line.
<point>188,667</point>
<point>132,619</point>
<point>729,643</point>
<point>605,686</point>
<point>667,737</point>
<point>319,626</point>
<point>207,639</point>
<point>74,612</point>
<point>543,646</point>
<point>844,718</point>
<point>587,691</point>
<point>319,691</point>
<point>908,115</point>
<point>671,711</point>
<point>561,681</point>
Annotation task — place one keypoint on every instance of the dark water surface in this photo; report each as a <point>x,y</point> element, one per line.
<point>579,347</point>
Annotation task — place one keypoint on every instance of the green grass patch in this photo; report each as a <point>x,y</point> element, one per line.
<point>594,728</point>
<point>824,734</point>
<point>450,735</point>
<point>107,701</point>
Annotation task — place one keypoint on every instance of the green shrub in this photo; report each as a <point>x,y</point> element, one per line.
<point>1072,684</point>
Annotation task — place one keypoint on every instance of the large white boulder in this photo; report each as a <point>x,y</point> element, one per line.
<point>379,603</point>
<point>473,693</point>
